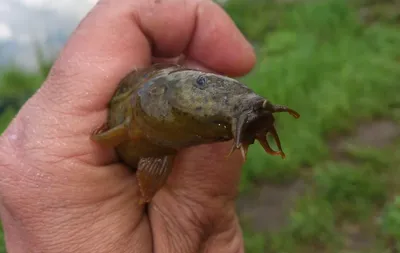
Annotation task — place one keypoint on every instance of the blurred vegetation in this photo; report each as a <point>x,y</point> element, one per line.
<point>337,63</point>
<point>16,86</point>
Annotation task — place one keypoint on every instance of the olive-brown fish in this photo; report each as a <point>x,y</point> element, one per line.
<point>161,109</point>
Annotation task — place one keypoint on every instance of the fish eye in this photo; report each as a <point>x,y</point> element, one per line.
<point>201,82</point>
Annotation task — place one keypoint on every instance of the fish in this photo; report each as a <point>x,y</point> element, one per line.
<point>159,110</point>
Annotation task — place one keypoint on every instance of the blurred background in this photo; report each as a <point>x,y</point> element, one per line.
<point>334,61</point>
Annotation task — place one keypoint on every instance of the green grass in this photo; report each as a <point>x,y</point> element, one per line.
<point>390,223</point>
<point>319,59</point>
<point>334,73</point>
<point>351,189</point>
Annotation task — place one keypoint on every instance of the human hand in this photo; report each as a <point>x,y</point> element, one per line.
<point>60,192</point>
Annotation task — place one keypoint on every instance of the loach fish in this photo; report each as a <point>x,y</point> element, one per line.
<point>157,111</point>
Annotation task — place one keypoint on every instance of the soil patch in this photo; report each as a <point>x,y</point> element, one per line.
<point>268,207</point>
<point>375,134</point>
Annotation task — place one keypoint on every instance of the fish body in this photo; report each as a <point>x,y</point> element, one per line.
<point>159,110</point>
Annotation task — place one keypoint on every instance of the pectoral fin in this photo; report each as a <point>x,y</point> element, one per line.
<point>152,174</point>
<point>110,137</point>
<point>113,136</point>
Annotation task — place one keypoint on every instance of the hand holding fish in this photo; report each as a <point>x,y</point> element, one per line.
<point>64,190</point>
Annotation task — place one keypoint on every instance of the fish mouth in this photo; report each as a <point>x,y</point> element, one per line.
<point>256,125</point>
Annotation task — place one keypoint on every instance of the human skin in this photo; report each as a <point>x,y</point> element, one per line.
<point>60,192</point>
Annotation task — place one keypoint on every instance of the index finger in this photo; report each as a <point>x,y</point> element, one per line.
<point>118,36</point>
